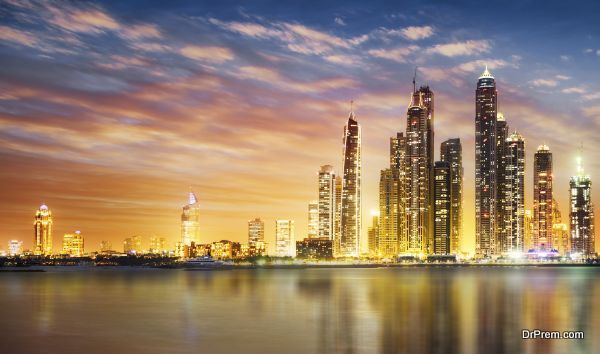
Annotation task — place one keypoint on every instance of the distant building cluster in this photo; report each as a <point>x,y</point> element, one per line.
<point>420,202</point>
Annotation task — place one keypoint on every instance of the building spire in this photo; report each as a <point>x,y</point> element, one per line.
<point>415,80</point>
<point>486,73</point>
<point>192,197</point>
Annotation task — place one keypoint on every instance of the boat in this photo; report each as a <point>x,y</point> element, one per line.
<point>205,263</point>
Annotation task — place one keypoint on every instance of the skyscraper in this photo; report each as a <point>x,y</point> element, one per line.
<point>581,213</point>
<point>397,166</point>
<point>327,198</point>
<point>337,225</point>
<point>374,234</point>
<point>190,221</point>
<point>157,245</point>
<point>313,219</point>
<point>42,227</point>
<point>256,232</point>
<point>542,199</point>
<point>15,248</point>
<point>73,244</point>
<point>485,164</point>
<point>387,242</point>
<point>560,231</point>
<point>512,222</point>
<point>451,152</point>
<point>133,245</point>
<point>285,243</point>
<point>351,190</point>
<point>418,174</point>
<point>502,204</point>
<point>442,191</point>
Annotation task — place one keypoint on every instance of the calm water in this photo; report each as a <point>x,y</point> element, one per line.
<point>410,310</point>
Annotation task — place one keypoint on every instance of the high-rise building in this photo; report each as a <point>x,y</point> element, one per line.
<point>327,198</point>
<point>485,164</point>
<point>502,134</point>
<point>256,232</point>
<point>351,190</point>
<point>373,234</point>
<point>284,238</point>
<point>158,245</point>
<point>133,245</point>
<point>387,242</point>
<point>528,232</point>
<point>581,213</point>
<point>442,221</point>
<point>560,231</point>
<point>313,219</point>
<point>42,227</point>
<point>106,247</point>
<point>397,166</point>
<point>338,216</point>
<point>418,174</point>
<point>542,199</point>
<point>190,221</point>
<point>73,244</point>
<point>451,152</point>
<point>15,248</point>
<point>511,215</point>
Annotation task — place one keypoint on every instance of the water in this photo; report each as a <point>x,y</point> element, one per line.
<point>408,310</point>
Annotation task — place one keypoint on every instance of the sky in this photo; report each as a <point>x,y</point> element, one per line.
<point>111,111</point>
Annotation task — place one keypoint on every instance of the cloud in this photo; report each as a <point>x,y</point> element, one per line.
<point>578,90</point>
<point>141,31</point>
<point>592,96</point>
<point>91,20</point>
<point>562,77</point>
<point>414,33</point>
<point>565,58</point>
<point>544,83</point>
<point>275,79</point>
<point>470,47</point>
<point>455,75</point>
<point>344,59</point>
<point>398,54</point>
<point>339,21</point>
<point>210,54</point>
<point>17,36</point>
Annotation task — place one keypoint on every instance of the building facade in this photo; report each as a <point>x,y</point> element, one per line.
<point>581,216</point>
<point>73,244</point>
<point>349,245</point>
<point>388,237</point>
<point>285,238</point>
<point>314,248</point>
<point>313,219</point>
<point>451,152</point>
<point>15,248</point>
<point>190,221</point>
<point>543,200</point>
<point>327,204</point>
<point>42,228</point>
<point>486,108</point>
<point>512,199</point>
<point>442,223</point>
<point>373,235</point>
<point>133,245</point>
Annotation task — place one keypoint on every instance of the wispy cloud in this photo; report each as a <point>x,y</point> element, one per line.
<point>399,55</point>
<point>339,21</point>
<point>543,83</point>
<point>578,90</point>
<point>209,54</point>
<point>416,33</point>
<point>17,36</point>
<point>470,47</point>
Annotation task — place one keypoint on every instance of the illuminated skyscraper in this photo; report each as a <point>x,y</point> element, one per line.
<point>581,213</point>
<point>285,242</point>
<point>398,172</point>
<point>387,242</point>
<point>502,204</point>
<point>337,225</point>
<point>256,232</point>
<point>327,198</point>
<point>528,232</point>
<point>313,219</point>
<point>374,235</point>
<point>106,247</point>
<point>190,221</point>
<point>542,199</point>
<point>42,227</point>
<point>442,221</point>
<point>73,244</point>
<point>560,231</point>
<point>418,175</point>
<point>451,152</point>
<point>512,222</point>
<point>15,248</point>
<point>485,164</point>
<point>351,190</point>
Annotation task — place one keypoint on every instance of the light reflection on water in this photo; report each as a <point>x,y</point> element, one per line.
<point>395,310</point>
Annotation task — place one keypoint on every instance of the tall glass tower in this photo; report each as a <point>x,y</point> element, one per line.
<point>451,152</point>
<point>42,227</point>
<point>486,108</point>
<point>543,203</point>
<point>581,213</point>
<point>190,221</point>
<point>327,202</point>
<point>351,190</point>
<point>512,199</point>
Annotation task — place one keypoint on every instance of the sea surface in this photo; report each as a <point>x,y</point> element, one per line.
<point>382,310</point>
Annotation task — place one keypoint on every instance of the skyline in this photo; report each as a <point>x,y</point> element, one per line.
<point>105,166</point>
